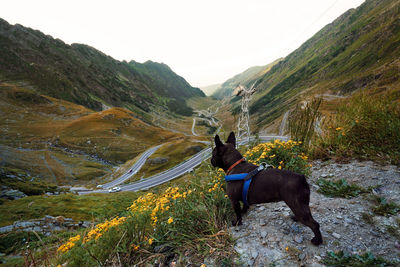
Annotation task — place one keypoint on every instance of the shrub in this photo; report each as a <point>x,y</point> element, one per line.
<point>282,155</point>
<point>343,259</point>
<point>339,188</point>
<point>385,208</point>
<point>189,218</point>
<point>365,126</point>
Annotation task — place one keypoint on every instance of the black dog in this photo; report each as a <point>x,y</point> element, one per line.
<point>269,185</point>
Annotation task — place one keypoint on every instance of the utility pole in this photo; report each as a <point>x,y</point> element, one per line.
<point>243,126</point>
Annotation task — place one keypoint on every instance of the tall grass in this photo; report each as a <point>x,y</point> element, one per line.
<point>302,121</point>
<point>366,126</point>
<point>191,218</point>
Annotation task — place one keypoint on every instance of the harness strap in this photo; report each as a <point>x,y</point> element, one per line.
<point>246,177</point>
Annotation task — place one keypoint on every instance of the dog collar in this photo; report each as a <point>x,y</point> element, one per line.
<point>234,164</point>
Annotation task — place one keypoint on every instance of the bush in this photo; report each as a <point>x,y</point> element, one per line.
<point>191,218</point>
<point>282,155</point>
<point>342,259</point>
<point>366,127</point>
<point>339,188</point>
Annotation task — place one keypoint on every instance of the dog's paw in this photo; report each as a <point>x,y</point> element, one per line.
<point>236,222</point>
<point>316,241</point>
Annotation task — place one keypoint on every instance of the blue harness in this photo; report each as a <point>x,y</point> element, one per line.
<point>247,180</point>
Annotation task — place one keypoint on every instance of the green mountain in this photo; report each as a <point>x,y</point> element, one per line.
<point>359,50</point>
<point>83,75</point>
<point>247,78</point>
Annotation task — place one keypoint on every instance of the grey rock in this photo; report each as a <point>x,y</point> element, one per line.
<point>295,228</point>
<point>336,235</point>
<point>6,229</point>
<point>263,234</point>
<point>302,256</point>
<point>298,239</point>
<point>162,248</point>
<point>254,254</point>
<point>262,222</point>
<point>12,194</point>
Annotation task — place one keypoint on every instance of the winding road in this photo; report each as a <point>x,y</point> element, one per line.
<point>133,170</point>
<point>176,171</point>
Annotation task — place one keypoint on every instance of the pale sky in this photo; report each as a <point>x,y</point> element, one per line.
<point>204,41</point>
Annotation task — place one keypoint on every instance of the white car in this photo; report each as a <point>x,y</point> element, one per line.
<point>114,189</point>
<point>100,186</point>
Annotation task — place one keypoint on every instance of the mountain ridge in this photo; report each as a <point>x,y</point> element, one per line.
<point>360,49</point>
<point>84,75</point>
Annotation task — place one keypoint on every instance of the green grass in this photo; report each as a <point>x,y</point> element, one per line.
<point>176,152</point>
<point>86,207</point>
<point>383,207</point>
<point>343,259</point>
<point>366,127</point>
<point>339,188</point>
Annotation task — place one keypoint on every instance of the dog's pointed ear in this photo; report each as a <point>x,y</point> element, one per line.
<point>218,142</point>
<point>232,139</point>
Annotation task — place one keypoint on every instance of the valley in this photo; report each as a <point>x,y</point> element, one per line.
<point>78,126</point>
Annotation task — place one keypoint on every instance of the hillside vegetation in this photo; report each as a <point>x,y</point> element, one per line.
<point>359,50</point>
<point>247,78</point>
<point>65,143</point>
<point>83,75</point>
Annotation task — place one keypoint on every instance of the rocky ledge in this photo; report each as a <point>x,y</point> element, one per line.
<point>46,225</point>
<point>268,236</point>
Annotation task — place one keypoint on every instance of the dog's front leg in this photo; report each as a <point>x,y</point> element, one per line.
<point>236,208</point>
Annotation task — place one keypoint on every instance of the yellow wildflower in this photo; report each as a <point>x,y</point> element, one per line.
<point>150,241</point>
<point>170,220</point>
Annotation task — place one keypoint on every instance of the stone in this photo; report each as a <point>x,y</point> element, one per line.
<point>263,234</point>
<point>262,222</point>
<point>254,254</point>
<point>298,239</point>
<point>11,194</point>
<point>162,248</point>
<point>295,228</point>
<point>336,235</point>
<point>261,208</point>
<point>302,256</point>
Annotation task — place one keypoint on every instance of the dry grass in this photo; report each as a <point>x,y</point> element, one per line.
<point>66,143</point>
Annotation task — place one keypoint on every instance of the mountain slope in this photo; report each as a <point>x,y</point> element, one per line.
<point>86,76</point>
<point>359,50</point>
<point>245,78</point>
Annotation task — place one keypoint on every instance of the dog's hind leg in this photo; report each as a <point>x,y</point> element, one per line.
<point>303,214</point>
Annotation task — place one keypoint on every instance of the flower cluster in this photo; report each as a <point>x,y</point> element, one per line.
<point>158,204</point>
<point>281,155</point>
<point>101,228</point>
<point>70,243</point>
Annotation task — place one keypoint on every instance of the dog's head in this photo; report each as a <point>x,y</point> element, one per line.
<point>224,155</point>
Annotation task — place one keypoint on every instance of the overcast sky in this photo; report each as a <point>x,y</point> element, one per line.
<point>205,41</point>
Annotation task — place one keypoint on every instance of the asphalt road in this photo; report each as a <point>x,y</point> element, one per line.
<point>174,172</point>
<point>135,168</point>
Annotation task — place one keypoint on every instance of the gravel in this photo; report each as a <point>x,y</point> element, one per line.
<point>282,242</point>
